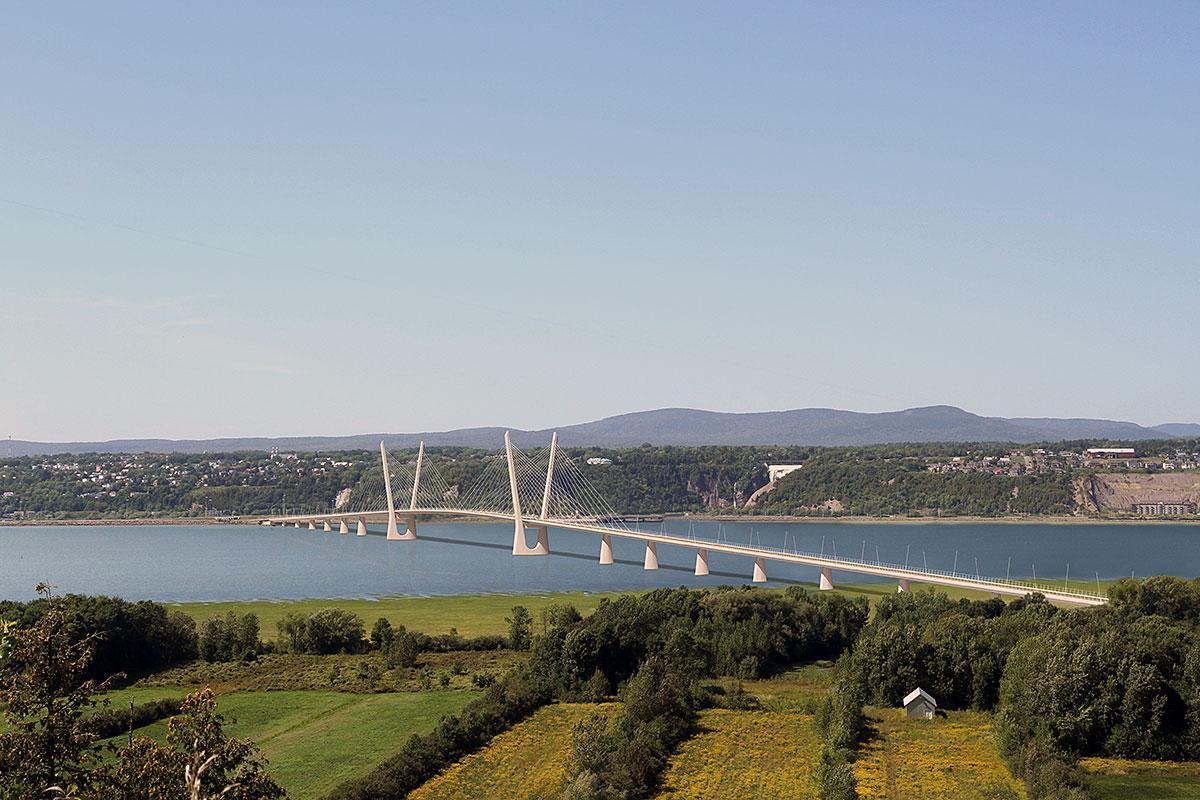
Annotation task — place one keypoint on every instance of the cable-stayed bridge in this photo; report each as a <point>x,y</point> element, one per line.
<point>543,489</point>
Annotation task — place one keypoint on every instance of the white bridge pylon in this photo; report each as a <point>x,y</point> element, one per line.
<point>544,489</point>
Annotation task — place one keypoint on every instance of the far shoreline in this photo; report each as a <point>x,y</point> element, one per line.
<point>1047,519</point>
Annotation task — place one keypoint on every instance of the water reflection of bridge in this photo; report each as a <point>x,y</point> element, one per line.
<point>544,489</point>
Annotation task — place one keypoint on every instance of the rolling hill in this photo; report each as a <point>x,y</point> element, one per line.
<point>685,426</point>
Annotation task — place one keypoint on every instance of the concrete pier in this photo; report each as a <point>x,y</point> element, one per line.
<point>362,527</point>
<point>325,526</point>
<point>606,556</point>
<point>760,570</point>
<point>701,561</point>
<point>903,587</point>
<point>343,527</point>
<point>651,556</point>
<point>826,579</point>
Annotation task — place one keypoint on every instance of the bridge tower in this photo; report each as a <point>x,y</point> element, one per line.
<point>410,521</point>
<point>520,547</point>
<point>393,533</point>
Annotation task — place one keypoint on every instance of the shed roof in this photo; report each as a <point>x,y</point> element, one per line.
<point>919,692</point>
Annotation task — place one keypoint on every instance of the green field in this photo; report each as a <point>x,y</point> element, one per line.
<point>476,615</point>
<point>1116,779</point>
<point>316,740</point>
<point>470,615</point>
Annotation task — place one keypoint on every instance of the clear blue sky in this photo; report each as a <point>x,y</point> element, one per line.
<point>310,218</point>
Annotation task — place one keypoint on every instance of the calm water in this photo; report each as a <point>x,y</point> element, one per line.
<point>191,563</point>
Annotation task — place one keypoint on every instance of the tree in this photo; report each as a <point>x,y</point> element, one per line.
<point>233,637</point>
<point>520,628</point>
<point>382,634</point>
<point>199,761</point>
<point>328,631</point>
<point>44,694</point>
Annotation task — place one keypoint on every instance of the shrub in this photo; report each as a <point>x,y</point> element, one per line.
<point>115,721</point>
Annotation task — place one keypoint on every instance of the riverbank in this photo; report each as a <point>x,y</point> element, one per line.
<point>33,523</point>
<point>1049,519</point>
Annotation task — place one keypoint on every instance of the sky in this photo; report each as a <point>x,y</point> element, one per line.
<point>227,219</point>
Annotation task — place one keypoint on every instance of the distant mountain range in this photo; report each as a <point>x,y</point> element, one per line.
<point>684,426</point>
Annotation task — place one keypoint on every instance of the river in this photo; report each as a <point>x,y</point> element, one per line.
<point>182,563</point>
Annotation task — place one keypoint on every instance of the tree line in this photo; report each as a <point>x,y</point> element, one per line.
<point>1121,680</point>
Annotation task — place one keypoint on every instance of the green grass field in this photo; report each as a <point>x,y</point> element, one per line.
<point>1117,779</point>
<point>475,615</point>
<point>471,615</point>
<point>316,740</point>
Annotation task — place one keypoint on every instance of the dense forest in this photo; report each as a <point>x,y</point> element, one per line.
<point>868,482</point>
<point>875,480</point>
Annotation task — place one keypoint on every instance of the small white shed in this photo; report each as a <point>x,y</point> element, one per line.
<point>919,704</point>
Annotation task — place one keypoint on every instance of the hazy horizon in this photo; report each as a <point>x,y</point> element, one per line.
<point>540,427</point>
<point>228,220</point>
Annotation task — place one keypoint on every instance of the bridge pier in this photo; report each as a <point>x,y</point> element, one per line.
<point>326,526</point>
<point>362,527</point>
<point>903,587</point>
<point>826,579</point>
<point>297,524</point>
<point>701,561</point>
<point>522,548</point>
<point>606,556</point>
<point>651,556</point>
<point>760,570</point>
<point>410,528</point>
<point>342,527</point>
<point>311,526</point>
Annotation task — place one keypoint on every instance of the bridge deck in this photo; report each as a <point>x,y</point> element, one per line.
<point>894,571</point>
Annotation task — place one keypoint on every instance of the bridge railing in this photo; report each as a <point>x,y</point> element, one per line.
<point>850,564</point>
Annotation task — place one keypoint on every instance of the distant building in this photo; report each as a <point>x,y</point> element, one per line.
<point>1181,508</point>
<point>777,471</point>
<point>1110,452</point>
<point>599,462</point>
<point>919,704</point>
